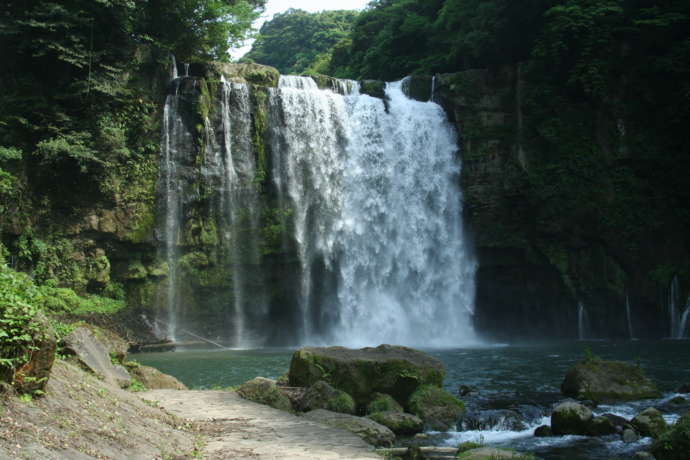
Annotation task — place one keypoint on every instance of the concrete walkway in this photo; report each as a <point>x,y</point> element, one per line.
<point>235,428</point>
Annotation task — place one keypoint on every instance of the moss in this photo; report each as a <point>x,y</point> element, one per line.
<point>674,444</point>
<point>383,403</point>
<point>135,271</point>
<point>465,446</point>
<point>260,101</point>
<point>438,409</point>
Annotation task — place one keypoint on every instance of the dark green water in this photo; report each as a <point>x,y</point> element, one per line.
<point>522,379</point>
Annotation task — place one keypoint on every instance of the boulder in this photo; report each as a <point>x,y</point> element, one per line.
<point>650,423</point>
<point>399,422</point>
<point>264,391</point>
<point>383,403</point>
<point>370,431</point>
<point>609,381</point>
<point>438,409</point>
<point>373,88</point>
<point>641,455</point>
<point>323,396</point>
<point>674,444</point>
<point>629,436</point>
<point>571,418</point>
<point>32,376</point>
<point>397,371</point>
<point>491,453</point>
<point>620,423</point>
<point>601,426</point>
<point>93,355</point>
<point>543,431</point>
<point>684,388</point>
<point>153,379</point>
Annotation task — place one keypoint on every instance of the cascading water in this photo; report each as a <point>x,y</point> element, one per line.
<point>376,202</point>
<point>227,189</point>
<point>629,318</point>
<point>683,332</point>
<point>583,328</point>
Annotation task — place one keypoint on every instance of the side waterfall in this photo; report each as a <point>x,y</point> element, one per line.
<point>376,200</point>
<point>370,190</point>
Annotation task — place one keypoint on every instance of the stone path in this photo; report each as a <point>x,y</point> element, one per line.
<point>239,429</point>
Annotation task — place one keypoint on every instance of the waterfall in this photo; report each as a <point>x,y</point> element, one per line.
<point>433,88</point>
<point>376,202</point>
<point>173,68</point>
<point>629,318</point>
<point>583,327</point>
<point>673,308</point>
<point>683,332</point>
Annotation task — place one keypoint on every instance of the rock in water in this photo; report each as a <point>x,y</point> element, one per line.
<point>571,418</point>
<point>543,431</point>
<point>490,453</point>
<point>153,379</point>
<point>93,355</point>
<point>438,409</point>
<point>399,422</point>
<point>323,396</point>
<point>372,432</point>
<point>265,391</point>
<point>674,444</point>
<point>650,423</point>
<point>33,376</point>
<point>629,436</point>
<point>397,371</point>
<point>608,381</point>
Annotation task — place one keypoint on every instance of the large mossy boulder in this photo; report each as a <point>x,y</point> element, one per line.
<point>571,418</point>
<point>397,371</point>
<point>608,381</point>
<point>323,396</point>
<point>674,444</point>
<point>437,408</point>
<point>264,391</point>
<point>650,423</point>
<point>367,429</point>
<point>399,422</point>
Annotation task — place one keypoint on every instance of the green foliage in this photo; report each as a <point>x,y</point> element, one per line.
<point>298,42</point>
<point>19,300</point>
<point>674,444</point>
<point>136,386</point>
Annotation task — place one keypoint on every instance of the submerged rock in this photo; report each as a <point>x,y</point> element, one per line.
<point>609,381</point>
<point>629,436</point>
<point>601,426</point>
<point>397,371</point>
<point>399,422</point>
<point>323,396</point>
<point>571,418</point>
<point>372,432</point>
<point>650,423</point>
<point>438,409</point>
<point>674,444</point>
<point>543,431</point>
<point>264,391</point>
<point>93,355</point>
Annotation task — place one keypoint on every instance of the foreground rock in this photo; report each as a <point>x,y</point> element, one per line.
<point>397,371</point>
<point>650,423</point>
<point>399,422</point>
<point>264,391</point>
<point>383,403</point>
<point>608,381</point>
<point>92,354</point>
<point>438,409</point>
<point>571,418</point>
<point>153,379</point>
<point>674,444</point>
<point>370,431</point>
<point>81,417</point>
<point>323,396</point>
<point>491,453</point>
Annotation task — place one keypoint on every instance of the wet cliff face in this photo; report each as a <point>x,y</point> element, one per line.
<point>556,212</point>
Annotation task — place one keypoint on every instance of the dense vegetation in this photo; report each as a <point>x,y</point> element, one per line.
<point>298,42</point>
